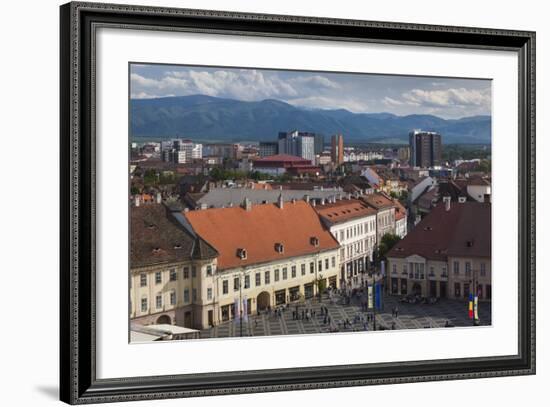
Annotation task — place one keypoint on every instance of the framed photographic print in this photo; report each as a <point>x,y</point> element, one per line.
<point>256,203</point>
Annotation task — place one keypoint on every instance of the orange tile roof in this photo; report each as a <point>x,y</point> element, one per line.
<point>344,210</point>
<point>400,211</point>
<point>378,200</point>
<point>258,230</point>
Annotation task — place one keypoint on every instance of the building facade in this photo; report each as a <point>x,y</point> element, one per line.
<point>170,271</point>
<point>353,225</point>
<point>447,255</point>
<point>426,148</point>
<point>297,143</point>
<point>269,255</point>
<point>385,213</point>
<point>268,148</point>
<point>337,149</point>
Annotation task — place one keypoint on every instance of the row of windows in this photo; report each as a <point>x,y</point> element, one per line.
<point>357,230</point>
<point>417,269</point>
<point>468,269</point>
<point>386,220</point>
<point>173,298</point>
<point>278,274</point>
<point>173,275</point>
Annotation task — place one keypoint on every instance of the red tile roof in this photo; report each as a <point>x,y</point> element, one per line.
<point>258,230</point>
<point>400,211</point>
<point>155,238</point>
<point>280,158</point>
<point>378,200</point>
<point>344,210</point>
<point>463,231</point>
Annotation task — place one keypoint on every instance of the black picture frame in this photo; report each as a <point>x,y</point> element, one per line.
<point>78,382</point>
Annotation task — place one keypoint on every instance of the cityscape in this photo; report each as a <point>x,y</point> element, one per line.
<point>321,216</point>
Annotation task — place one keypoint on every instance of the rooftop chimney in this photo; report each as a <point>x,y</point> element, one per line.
<point>280,201</point>
<point>247,204</point>
<point>306,198</point>
<point>159,197</point>
<point>322,201</point>
<point>136,200</point>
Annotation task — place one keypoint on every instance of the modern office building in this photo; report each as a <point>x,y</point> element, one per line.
<point>299,144</point>
<point>268,148</point>
<point>425,148</point>
<point>337,149</point>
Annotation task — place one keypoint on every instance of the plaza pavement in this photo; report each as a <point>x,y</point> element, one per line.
<point>410,316</point>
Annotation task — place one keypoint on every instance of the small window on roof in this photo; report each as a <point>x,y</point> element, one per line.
<point>241,254</point>
<point>279,248</point>
<point>314,240</point>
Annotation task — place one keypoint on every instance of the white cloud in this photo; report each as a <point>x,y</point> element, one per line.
<point>448,97</point>
<point>321,102</point>
<point>388,101</point>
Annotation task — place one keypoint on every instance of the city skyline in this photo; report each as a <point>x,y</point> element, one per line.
<point>448,98</point>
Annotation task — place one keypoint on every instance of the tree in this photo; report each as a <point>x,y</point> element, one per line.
<point>386,244</point>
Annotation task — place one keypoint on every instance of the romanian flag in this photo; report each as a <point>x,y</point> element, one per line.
<point>471,306</point>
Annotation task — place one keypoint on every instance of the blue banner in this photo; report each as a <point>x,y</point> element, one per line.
<point>378,295</point>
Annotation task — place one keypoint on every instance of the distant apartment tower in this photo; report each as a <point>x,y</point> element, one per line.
<point>425,148</point>
<point>180,151</point>
<point>268,148</point>
<point>296,143</point>
<point>337,150</point>
<point>319,143</point>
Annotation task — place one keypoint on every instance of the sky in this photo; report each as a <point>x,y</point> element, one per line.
<point>448,98</point>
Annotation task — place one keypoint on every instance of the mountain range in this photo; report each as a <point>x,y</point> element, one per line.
<point>206,117</point>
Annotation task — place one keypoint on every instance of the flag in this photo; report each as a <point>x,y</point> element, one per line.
<point>378,295</point>
<point>369,295</point>
<point>245,309</point>
<point>471,306</point>
<point>237,314</point>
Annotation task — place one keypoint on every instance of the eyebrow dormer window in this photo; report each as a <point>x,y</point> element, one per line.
<point>279,248</point>
<point>314,241</point>
<point>241,254</point>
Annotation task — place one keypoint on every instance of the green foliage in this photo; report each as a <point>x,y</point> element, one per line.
<point>386,243</point>
<point>452,152</point>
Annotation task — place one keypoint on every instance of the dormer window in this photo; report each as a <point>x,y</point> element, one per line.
<point>241,254</point>
<point>314,241</point>
<point>279,248</point>
<point>469,243</point>
<point>177,246</point>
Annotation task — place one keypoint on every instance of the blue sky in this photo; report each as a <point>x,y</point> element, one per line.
<point>358,93</point>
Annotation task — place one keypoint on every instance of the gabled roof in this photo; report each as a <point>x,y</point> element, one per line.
<point>463,231</point>
<point>258,230</point>
<point>378,201</point>
<point>344,210</point>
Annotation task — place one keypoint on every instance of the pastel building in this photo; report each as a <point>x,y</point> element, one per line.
<point>447,255</point>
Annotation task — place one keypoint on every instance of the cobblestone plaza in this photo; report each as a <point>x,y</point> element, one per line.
<point>409,316</point>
